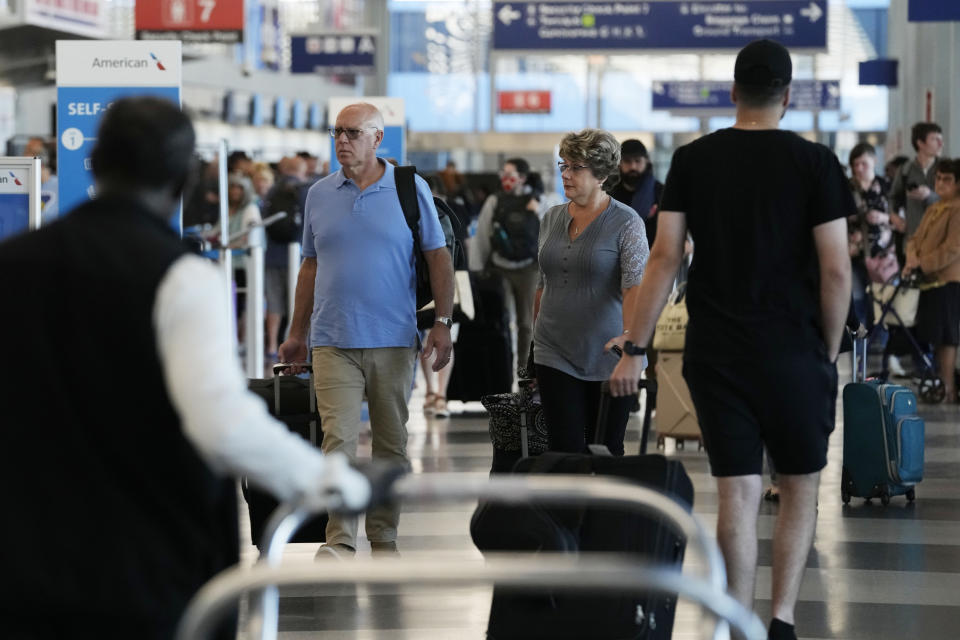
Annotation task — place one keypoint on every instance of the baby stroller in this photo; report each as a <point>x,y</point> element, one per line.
<point>895,305</point>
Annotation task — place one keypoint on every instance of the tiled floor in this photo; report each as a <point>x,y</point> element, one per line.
<point>874,573</point>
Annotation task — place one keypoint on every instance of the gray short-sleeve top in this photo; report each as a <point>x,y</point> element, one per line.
<point>583,281</point>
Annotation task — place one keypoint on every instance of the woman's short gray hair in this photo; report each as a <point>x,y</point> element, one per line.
<point>596,148</point>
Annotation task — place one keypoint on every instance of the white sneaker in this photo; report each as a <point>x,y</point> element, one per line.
<point>895,368</point>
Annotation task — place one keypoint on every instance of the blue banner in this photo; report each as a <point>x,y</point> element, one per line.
<point>393,146</point>
<point>333,53</point>
<point>805,95</point>
<point>933,10</point>
<point>14,212</point>
<point>881,72</point>
<point>79,111</point>
<point>668,24</point>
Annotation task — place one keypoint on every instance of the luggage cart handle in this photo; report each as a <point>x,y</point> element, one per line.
<point>554,490</point>
<point>608,574</point>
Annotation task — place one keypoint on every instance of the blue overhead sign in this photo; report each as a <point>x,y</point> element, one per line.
<point>805,95</point>
<point>333,53</point>
<point>881,72</point>
<point>933,10</point>
<point>660,24</point>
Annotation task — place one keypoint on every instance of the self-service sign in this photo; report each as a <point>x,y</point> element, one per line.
<point>91,74</point>
<point>218,21</point>
<point>19,195</point>
<point>659,24</point>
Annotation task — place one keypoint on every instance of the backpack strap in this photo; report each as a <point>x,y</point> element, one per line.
<point>407,193</point>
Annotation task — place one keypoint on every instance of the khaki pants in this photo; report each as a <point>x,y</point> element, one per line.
<point>342,377</point>
<point>521,286</point>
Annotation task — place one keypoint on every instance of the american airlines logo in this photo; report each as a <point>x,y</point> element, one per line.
<point>127,63</point>
<point>16,180</point>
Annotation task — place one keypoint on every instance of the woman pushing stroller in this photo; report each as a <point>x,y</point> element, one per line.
<point>935,251</point>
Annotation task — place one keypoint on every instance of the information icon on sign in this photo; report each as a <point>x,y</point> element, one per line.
<point>72,139</point>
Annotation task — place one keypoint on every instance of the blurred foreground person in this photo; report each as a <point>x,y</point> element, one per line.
<point>118,437</point>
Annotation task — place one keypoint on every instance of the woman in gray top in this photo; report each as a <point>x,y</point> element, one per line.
<point>592,253</point>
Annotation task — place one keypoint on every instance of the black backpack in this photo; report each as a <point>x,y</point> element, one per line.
<point>407,193</point>
<point>286,198</point>
<point>516,229</point>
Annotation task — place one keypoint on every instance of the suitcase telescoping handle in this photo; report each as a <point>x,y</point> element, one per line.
<point>858,354</point>
<point>282,367</point>
<point>278,369</point>
<point>649,387</point>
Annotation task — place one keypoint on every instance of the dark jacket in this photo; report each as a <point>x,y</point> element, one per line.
<point>619,192</point>
<point>111,517</point>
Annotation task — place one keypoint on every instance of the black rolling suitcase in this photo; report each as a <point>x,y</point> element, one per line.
<point>559,616</point>
<point>483,354</point>
<point>291,400</point>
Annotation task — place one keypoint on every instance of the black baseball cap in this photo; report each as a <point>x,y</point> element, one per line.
<point>633,148</point>
<point>763,63</point>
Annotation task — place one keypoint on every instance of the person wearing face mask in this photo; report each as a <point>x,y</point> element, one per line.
<point>636,187</point>
<point>508,228</point>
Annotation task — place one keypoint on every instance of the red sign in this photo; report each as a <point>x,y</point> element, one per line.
<point>190,20</point>
<point>523,102</point>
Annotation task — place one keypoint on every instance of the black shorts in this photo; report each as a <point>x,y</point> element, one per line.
<point>786,403</point>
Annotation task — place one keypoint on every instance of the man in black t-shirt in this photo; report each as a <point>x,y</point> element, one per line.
<point>768,293</point>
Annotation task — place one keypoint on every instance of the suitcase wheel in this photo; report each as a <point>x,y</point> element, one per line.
<point>884,498</point>
<point>911,495</point>
<point>845,496</point>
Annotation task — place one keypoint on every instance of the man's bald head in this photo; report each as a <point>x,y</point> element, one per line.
<point>363,114</point>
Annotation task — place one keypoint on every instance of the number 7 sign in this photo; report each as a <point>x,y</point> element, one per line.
<point>190,20</point>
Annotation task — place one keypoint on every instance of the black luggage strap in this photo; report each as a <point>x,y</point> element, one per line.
<point>404,177</point>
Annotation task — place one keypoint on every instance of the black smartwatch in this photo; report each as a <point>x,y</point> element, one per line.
<point>631,349</point>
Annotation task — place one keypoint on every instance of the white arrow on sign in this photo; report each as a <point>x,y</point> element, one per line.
<point>813,12</point>
<point>508,14</point>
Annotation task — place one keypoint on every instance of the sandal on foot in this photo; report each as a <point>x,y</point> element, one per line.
<point>440,407</point>
<point>429,403</point>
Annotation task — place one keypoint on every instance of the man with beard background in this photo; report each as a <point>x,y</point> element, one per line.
<point>636,186</point>
<point>638,189</point>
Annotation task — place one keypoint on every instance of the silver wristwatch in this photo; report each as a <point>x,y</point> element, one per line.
<point>445,321</point>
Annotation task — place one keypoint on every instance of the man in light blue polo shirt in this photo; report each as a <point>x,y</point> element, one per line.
<point>358,277</point>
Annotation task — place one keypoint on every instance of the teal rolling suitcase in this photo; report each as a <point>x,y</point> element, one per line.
<point>883,438</point>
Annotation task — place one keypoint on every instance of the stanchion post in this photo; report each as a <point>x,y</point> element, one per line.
<point>256,241</point>
<point>226,259</point>
<point>293,272</point>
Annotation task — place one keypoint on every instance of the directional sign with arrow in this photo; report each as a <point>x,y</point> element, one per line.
<point>508,14</point>
<point>661,24</point>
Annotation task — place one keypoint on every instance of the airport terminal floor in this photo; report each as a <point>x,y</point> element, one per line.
<point>875,572</point>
